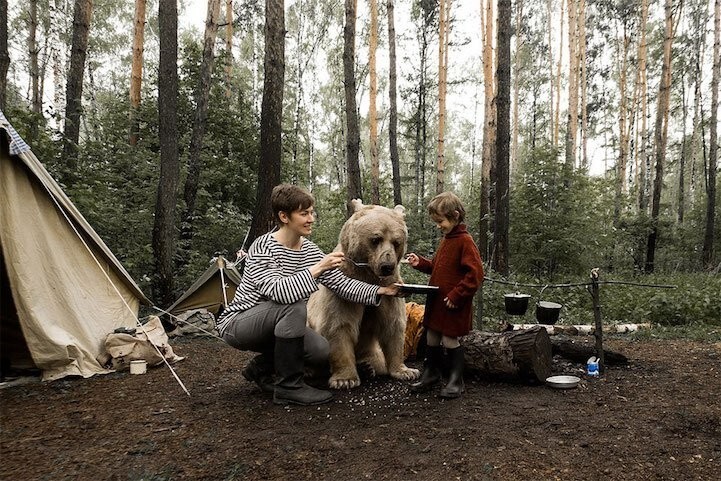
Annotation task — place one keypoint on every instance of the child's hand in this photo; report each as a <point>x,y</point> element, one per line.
<point>413,259</point>
<point>449,304</point>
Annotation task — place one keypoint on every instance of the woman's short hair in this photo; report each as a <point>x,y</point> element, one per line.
<point>448,205</point>
<point>288,198</point>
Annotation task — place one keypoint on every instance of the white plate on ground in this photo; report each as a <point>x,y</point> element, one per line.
<point>563,382</point>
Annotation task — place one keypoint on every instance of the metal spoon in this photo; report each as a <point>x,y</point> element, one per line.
<point>357,264</point>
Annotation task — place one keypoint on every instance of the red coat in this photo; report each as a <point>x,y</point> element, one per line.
<point>457,270</point>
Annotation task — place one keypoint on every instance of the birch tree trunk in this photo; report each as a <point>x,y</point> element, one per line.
<point>271,116</point>
<point>392,93</point>
<point>503,74</point>
<point>489,127</point>
<point>165,205</point>
<point>74,89</point>
<point>708,243</point>
<point>661,134</point>
<point>4,53</point>
<point>351,112</point>
<point>443,27</point>
<point>136,71</point>
<point>202,95</point>
<point>372,114</point>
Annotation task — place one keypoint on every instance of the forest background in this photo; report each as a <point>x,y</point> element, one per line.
<point>579,133</point>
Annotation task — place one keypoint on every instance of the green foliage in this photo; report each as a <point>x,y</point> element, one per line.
<point>555,226</point>
<point>693,301</point>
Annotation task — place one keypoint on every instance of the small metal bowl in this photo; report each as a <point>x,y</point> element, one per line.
<point>563,382</point>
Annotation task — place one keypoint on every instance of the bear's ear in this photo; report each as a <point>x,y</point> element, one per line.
<point>400,209</point>
<point>357,204</point>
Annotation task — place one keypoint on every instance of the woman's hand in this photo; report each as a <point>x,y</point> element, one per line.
<point>391,290</point>
<point>413,259</point>
<point>330,261</point>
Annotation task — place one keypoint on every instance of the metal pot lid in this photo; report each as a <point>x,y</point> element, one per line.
<point>517,295</point>
<point>549,305</point>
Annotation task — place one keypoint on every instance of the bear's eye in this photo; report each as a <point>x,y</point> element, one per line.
<point>376,240</point>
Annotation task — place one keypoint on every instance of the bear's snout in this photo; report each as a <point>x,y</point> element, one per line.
<point>387,268</point>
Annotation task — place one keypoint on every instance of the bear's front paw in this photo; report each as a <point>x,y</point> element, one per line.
<point>406,374</point>
<point>337,382</point>
<point>365,370</point>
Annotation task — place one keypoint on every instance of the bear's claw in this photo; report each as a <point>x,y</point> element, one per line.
<point>336,383</point>
<point>406,374</point>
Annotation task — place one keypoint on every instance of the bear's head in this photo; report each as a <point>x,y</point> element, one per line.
<point>376,236</point>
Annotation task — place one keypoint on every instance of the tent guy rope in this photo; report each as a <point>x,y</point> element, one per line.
<point>117,291</point>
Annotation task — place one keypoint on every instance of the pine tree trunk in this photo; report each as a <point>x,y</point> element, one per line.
<point>660,135</point>
<point>623,122</point>
<point>229,48</point>
<point>136,72</point>
<point>489,130</point>
<point>33,51</point>
<point>584,82</point>
<point>572,126</point>
<point>503,76</point>
<point>74,88</point>
<point>351,112</point>
<point>271,115</point>
<point>57,46</point>
<point>202,95</point>
<point>443,10</point>
<point>165,206</point>
<point>4,53</point>
<point>392,94</point>
<point>643,92</point>
<point>708,243</point>
<point>557,110</point>
<point>516,87</point>
<point>372,114</point>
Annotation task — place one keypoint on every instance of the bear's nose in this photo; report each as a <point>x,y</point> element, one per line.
<point>387,269</point>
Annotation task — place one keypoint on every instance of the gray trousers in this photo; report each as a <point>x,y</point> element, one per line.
<point>256,330</point>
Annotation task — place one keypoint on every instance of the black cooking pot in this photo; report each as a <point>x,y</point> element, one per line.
<point>547,312</point>
<point>516,304</point>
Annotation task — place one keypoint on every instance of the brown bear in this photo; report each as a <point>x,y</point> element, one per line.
<point>374,242</point>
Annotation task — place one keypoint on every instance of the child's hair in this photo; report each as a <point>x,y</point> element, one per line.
<point>288,198</point>
<point>448,205</point>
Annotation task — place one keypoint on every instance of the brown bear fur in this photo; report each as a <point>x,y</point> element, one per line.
<point>373,335</point>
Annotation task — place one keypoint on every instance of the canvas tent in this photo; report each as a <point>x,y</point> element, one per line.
<point>63,290</point>
<point>213,289</point>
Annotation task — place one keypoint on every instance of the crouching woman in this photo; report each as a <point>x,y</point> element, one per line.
<point>268,313</point>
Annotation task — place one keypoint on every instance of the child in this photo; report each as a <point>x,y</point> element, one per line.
<point>457,270</point>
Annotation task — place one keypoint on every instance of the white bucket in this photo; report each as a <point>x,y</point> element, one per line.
<point>138,367</point>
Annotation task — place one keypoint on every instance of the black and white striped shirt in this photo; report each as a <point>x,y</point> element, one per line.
<point>276,273</point>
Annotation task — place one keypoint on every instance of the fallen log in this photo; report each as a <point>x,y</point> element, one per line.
<point>579,351</point>
<point>513,355</point>
<point>581,329</point>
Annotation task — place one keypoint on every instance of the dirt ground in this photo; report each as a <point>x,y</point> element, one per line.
<point>659,417</point>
